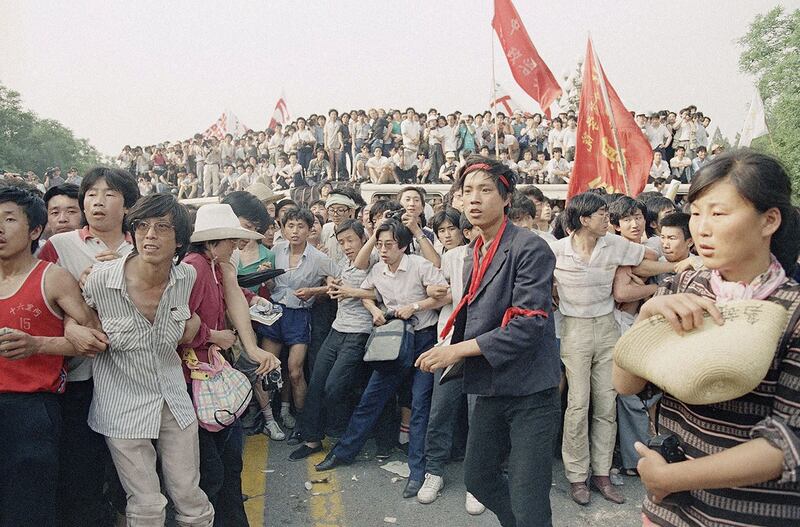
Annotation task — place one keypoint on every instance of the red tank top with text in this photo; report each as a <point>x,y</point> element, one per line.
<point>27,310</point>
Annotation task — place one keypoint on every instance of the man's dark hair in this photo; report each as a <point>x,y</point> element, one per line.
<point>399,232</point>
<point>67,189</point>
<point>623,207</point>
<point>249,207</point>
<point>521,206</point>
<point>350,193</point>
<point>582,206</point>
<point>381,206</point>
<point>317,202</point>
<point>32,205</point>
<point>350,225</point>
<point>533,192</point>
<point>656,204</point>
<point>418,190</point>
<point>678,219</point>
<point>157,205</point>
<point>701,149</point>
<point>117,179</point>
<point>557,149</point>
<point>496,171</point>
<point>299,215</point>
<point>286,202</point>
<point>448,214</point>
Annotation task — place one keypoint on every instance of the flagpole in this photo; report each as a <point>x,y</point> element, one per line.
<point>494,101</point>
<point>611,120</point>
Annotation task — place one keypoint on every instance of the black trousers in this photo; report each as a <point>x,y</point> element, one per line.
<point>221,474</point>
<point>522,429</point>
<point>30,434</point>
<point>84,458</point>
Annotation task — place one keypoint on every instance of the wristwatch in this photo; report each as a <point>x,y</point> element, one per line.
<point>415,306</point>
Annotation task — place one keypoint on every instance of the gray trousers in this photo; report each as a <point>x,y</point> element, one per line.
<point>445,404</point>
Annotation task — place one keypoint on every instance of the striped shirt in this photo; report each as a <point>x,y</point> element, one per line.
<point>771,411</point>
<point>141,370</point>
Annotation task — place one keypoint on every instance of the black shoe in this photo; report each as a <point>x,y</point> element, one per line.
<point>412,488</point>
<point>383,451</point>
<point>294,438</point>
<point>403,447</point>
<point>304,451</point>
<point>330,462</point>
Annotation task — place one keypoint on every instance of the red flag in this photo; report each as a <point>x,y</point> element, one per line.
<point>281,113</point>
<point>527,67</point>
<point>598,162</point>
<point>218,129</point>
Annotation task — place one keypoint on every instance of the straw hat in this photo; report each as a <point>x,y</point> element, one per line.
<point>263,193</point>
<point>709,364</point>
<point>217,221</point>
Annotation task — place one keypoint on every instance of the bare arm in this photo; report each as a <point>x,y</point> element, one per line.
<point>627,290</point>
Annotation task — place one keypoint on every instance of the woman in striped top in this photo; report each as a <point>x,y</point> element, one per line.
<point>743,456</point>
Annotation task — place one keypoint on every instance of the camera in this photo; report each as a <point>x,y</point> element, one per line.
<point>669,446</point>
<point>395,214</point>
<point>272,381</point>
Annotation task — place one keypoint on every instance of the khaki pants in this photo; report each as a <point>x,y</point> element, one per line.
<point>179,451</point>
<point>586,347</point>
<point>211,180</point>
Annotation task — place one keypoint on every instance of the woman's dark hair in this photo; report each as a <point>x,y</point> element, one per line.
<point>581,206</point>
<point>117,179</point>
<point>247,206</point>
<point>351,225</point>
<point>496,170</point>
<point>533,192</point>
<point>32,205</point>
<point>680,220</point>
<point>761,180</point>
<point>296,214</point>
<point>449,214</point>
<point>156,206</point>
<point>399,232</point>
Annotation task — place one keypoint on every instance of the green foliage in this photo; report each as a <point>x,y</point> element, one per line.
<point>772,54</point>
<point>28,142</point>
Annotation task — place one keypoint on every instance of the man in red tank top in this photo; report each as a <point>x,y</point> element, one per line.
<point>35,297</point>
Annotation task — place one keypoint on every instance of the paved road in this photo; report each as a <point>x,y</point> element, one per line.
<point>364,495</point>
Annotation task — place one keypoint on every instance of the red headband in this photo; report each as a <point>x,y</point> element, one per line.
<point>484,166</point>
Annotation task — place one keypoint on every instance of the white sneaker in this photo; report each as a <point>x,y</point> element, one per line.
<point>273,430</point>
<point>474,507</point>
<point>288,420</point>
<point>430,489</point>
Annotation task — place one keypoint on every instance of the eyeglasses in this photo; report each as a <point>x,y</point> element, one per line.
<point>161,227</point>
<point>338,211</point>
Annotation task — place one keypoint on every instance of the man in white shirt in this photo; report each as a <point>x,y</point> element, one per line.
<point>556,137</point>
<point>557,168</point>
<point>379,167</point>
<point>570,139</point>
<point>586,262</point>
<point>332,141</point>
<point>449,134</point>
<point>657,134</point>
<point>659,168</point>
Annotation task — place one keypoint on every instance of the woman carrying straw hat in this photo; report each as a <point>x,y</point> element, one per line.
<point>216,294</point>
<point>743,456</point>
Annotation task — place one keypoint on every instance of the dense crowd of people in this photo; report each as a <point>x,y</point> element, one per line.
<point>119,305</point>
<point>410,147</point>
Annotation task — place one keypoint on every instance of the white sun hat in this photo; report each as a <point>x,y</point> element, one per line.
<point>709,364</point>
<point>217,221</point>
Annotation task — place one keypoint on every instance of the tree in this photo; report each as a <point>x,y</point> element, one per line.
<point>772,54</point>
<point>571,94</point>
<point>28,142</point>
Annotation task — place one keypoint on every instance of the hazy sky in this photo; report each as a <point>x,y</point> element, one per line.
<point>141,72</point>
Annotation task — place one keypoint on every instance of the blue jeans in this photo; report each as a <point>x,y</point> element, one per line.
<point>382,386</point>
<point>445,405</point>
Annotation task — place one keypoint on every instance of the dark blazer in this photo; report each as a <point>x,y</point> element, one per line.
<point>521,358</point>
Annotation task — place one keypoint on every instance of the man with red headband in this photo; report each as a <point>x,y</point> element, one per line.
<point>510,357</point>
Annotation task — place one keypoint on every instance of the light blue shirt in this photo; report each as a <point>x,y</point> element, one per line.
<point>313,267</point>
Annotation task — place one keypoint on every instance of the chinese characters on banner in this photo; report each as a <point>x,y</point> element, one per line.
<point>527,67</point>
<point>598,161</point>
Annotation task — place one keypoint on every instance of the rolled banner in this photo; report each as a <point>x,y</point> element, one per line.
<point>259,277</point>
